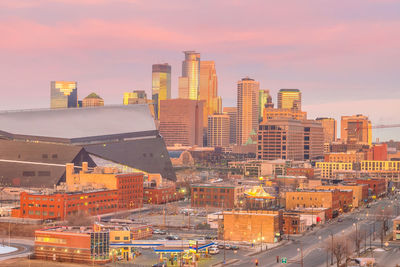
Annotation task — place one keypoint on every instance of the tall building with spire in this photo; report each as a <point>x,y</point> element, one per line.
<point>209,89</point>
<point>289,99</point>
<point>161,85</point>
<point>63,94</point>
<point>189,82</point>
<point>247,109</point>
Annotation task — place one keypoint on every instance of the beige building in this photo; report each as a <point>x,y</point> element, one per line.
<point>251,226</point>
<point>181,122</point>
<point>232,113</point>
<point>330,129</point>
<point>264,101</point>
<point>189,82</point>
<point>218,130</point>
<point>279,113</point>
<point>209,90</point>
<point>356,129</point>
<point>360,192</point>
<point>63,94</point>
<point>247,109</point>
<point>289,99</point>
<point>328,168</point>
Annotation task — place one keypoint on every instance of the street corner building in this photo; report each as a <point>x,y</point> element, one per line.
<point>36,144</point>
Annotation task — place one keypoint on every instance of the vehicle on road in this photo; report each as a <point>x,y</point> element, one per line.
<point>340,220</point>
<point>221,246</point>
<point>227,246</point>
<point>213,251</point>
<point>234,247</point>
<point>159,232</point>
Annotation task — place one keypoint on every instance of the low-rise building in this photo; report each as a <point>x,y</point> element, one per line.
<point>360,192</point>
<point>310,173</point>
<point>376,187</point>
<point>352,157</point>
<point>72,244</point>
<point>292,224</point>
<point>220,195</point>
<point>328,168</point>
<point>252,226</point>
<point>396,228</point>
<point>380,165</point>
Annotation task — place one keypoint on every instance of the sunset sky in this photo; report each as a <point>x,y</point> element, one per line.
<point>343,55</point>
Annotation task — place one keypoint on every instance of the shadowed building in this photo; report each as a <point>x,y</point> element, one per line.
<point>120,134</point>
<point>63,94</point>
<point>232,113</point>
<point>218,130</point>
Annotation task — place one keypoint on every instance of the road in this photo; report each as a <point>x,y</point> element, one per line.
<point>312,244</point>
<point>24,249</point>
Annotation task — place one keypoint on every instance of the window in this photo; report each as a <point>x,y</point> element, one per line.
<point>117,238</point>
<point>43,173</point>
<point>28,173</point>
<point>45,156</point>
<point>54,156</point>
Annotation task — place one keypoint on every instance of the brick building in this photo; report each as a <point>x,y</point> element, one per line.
<point>216,195</point>
<point>377,187</point>
<point>252,226</point>
<point>161,194</point>
<point>59,205</point>
<point>360,192</point>
<point>352,157</point>
<point>292,223</point>
<point>307,172</point>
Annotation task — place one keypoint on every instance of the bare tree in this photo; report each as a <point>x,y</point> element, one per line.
<point>80,219</point>
<point>341,248</point>
<point>357,237</point>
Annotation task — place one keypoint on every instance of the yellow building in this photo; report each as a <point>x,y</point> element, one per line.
<point>327,168</point>
<point>289,99</point>
<point>209,89</point>
<point>378,165</point>
<point>189,82</point>
<point>63,94</point>
<point>251,226</point>
<point>278,113</point>
<point>120,237</point>
<point>352,157</point>
<point>161,85</point>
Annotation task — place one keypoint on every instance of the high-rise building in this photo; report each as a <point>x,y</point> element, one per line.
<point>209,89</point>
<point>287,138</point>
<point>181,122</point>
<point>289,99</point>
<point>356,129</point>
<point>189,82</point>
<point>92,100</point>
<point>63,94</point>
<point>232,113</point>
<point>135,97</point>
<point>218,130</point>
<point>330,129</point>
<point>265,101</point>
<point>247,109</point>
<point>161,85</point>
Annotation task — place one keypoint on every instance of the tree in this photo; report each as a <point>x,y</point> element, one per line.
<point>341,248</point>
<point>357,237</point>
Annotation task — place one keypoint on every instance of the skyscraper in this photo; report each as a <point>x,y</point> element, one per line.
<point>356,129</point>
<point>330,129</point>
<point>135,97</point>
<point>181,122</point>
<point>218,130</point>
<point>247,109</point>
<point>209,89</point>
<point>290,99</point>
<point>63,94</point>
<point>264,100</point>
<point>232,113</point>
<point>189,82</point>
<point>161,85</point>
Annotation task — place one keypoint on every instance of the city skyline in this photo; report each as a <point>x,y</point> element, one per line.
<point>333,64</point>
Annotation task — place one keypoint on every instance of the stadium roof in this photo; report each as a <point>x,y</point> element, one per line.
<point>75,123</point>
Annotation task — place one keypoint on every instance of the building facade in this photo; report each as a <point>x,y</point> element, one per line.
<point>279,113</point>
<point>222,196</point>
<point>92,100</point>
<point>329,126</point>
<point>208,87</point>
<point>218,130</point>
<point>289,99</point>
<point>264,101</point>
<point>247,109</point>
<point>232,113</point>
<point>160,85</point>
<point>189,82</point>
<point>63,94</point>
<point>356,129</point>
<point>181,122</point>
<point>352,157</point>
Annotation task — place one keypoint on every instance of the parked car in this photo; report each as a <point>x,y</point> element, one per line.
<point>213,251</point>
<point>234,247</point>
<point>340,220</point>
<point>227,246</point>
<point>159,232</point>
<point>221,246</point>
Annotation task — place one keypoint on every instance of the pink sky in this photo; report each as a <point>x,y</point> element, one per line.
<point>343,55</point>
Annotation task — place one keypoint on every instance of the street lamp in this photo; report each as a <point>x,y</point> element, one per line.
<point>300,249</point>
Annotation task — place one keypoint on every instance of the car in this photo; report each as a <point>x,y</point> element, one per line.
<point>227,246</point>
<point>214,246</point>
<point>368,206</point>
<point>159,232</point>
<point>340,220</point>
<point>234,247</point>
<point>213,251</point>
<point>221,246</point>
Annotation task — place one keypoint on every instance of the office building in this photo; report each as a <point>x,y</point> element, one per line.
<point>232,113</point>
<point>289,99</point>
<point>63,94</point>
<point>189,82</point>
<point>290,139</point>
<point>92,100</point>
<point>329,168</point>
<point>181,122</point>
<point>161,85</point>
<point>264,101</point>
<point>218,130</point>
<point>329,126</point>
<point>247,109</point>
<point>209,89</point>
<point>135,97</point>
<point>356,129</point>
<point>279,113</point>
